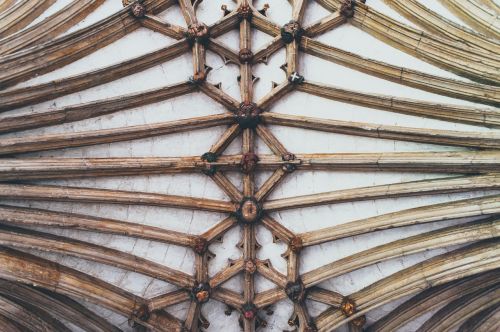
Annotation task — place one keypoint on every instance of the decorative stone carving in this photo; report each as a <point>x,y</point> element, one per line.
<point>138,10</point>
<point>248,115</point>
<point>249,211</point>
<point>200,245</point>
<point>201,293</point>
<point>248,162</point>
<point>296,244</point>
<point>250,266</point>
<point>249,311</point>
<point>348,307</point>
<point>245,55</point>
<point>288,167</point>
<point>295,291</point>
<point>347,8</point>
<point>245,12</point>
<point>198,77</point>
<point>198,32</point>
<point>295,78</point>
<point>291,31</point>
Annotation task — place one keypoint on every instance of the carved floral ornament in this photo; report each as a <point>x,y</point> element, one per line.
<point>461,274</point>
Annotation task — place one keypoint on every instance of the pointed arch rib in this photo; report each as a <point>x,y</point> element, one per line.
<point>477,258</point>
<point>92,109</point>
<point>488,117</point>
<point>23,96</point>
<point>461,59</point>
<point>95,137</point>
<point>433,298</point>
<point>25,64</point>
<point>29,317</point>
<point>50,27</point>
<point>59,306</point>
<point>402,189</point>
<point>455,313</point>
<point>480,93</point>
<point>419,135</point>
<point>21,14</point>
<point>484,321</point>
<point>445,237</point>
<point>476,15</point>
<point>106,196</point>
<point>27,239</point>
<point>29,269</point>
<point>430,213</point>
<point>20,216</point>
<point>438,24</point>
<point>436,162</point>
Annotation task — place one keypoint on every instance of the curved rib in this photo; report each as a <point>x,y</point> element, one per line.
<point>419,135</point>
<point>168,299</point>
<point>92,109</point>
<point>19,216</point>
<point>266,269</point>
<point>47,91</point>
<point>59,306</point>
<point>263,53</point>
<point>266,298</point>
<point>475,92</point>
<point>330,22</point>
<point>156,23</point>
<point>457,264</point>
<point>61,168</point>
<point>5,4</point>
<point>491,4</point>
<point>228,297</point>
<point>31,270</point>
<point>446,162</point>
<point>277,229</point>
<point>429,19</point>
<point>461,59</point>
<point>50,27</point>
<point>22,65</point>
<point>424,214</point>
<point>325,296</point>
<point>28,239</point>
<point>85,138</point>
<point>468,162</point>
<point>219,96</point>
<point>29,317</point>
<point>484,321</point>
<point>476,15</point>
<point>106,196</point>
<point>227,273</point>
<point>449,236</point>
<point>11,325</point>
<point>431,299</point>
<point>457,312</point>
<point>21,14</point>
<point>402,189</point>
<point>489,117</point>
<point>278,92</point>
<point>219,230</point>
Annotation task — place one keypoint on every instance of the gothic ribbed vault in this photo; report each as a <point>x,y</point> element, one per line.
<point>154,176</point>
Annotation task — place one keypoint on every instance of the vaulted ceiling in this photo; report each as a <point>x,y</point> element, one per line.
<point>187,165</point>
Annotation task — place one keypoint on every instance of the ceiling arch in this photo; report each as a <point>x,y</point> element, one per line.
<point>74,263</point>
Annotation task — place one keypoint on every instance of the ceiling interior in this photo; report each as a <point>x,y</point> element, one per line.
<point>285,165</point>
